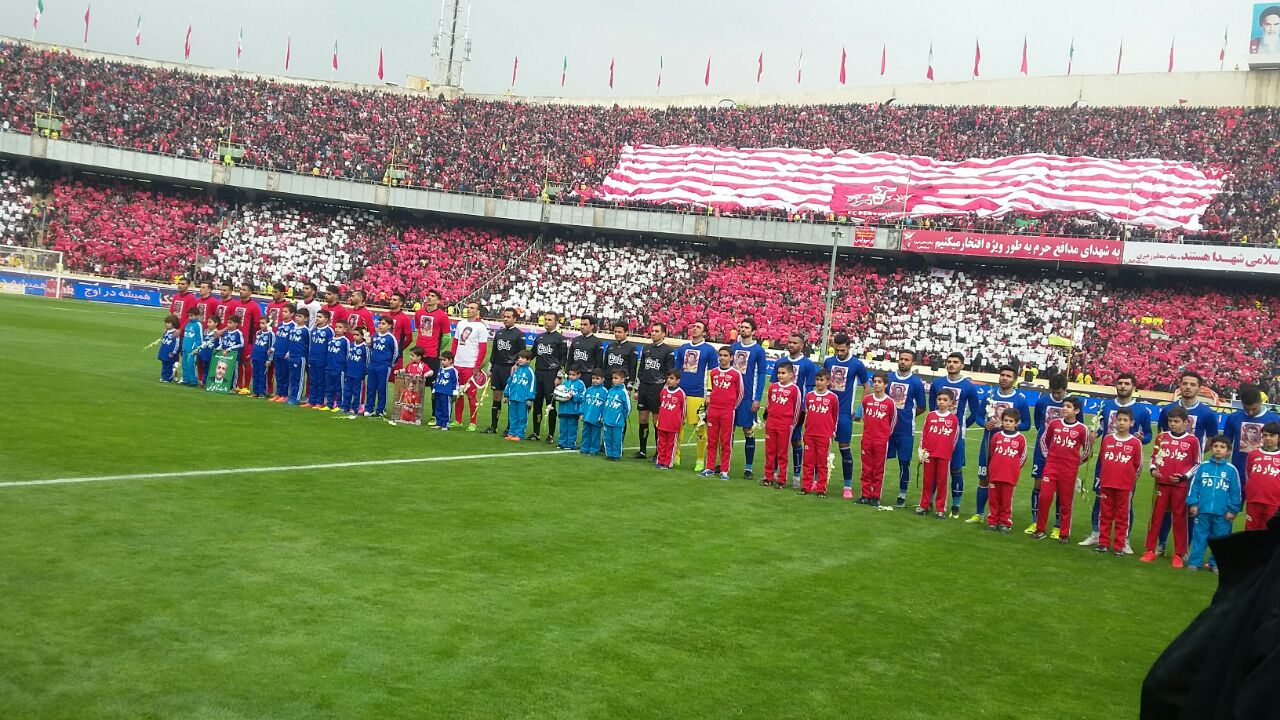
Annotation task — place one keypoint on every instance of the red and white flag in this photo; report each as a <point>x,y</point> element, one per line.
<point>137,33</point>
<point>759,67</point>
<point>800,68</point>
<point>240,43</point>
<point>379,62</point>
<point>288,52</point>
<point>1023,68</point>
<point>86,23</point>
<point>515,66</point>
<point>977,57</point>
<point>706,77</point>
<point>334,62</point>
<point>1222,52</point>
<point>186,44</point>
<point>611,61</point>
<point>929,73</point>
<point>883,57</point>
<point>1159,193</point>
<point>1171,44</point>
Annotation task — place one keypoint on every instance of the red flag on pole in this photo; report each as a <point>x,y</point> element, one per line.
<point>1171,44</point>
<point>977,57</point>
<point>515,65</point>
<point>759,67</point>
<point>706,77</point>
<point>800,68</point>
<point>334,62</point>
<point>86,23</point>
<point>1120,56</point>
<point>611,60</point>
<point>1023,68</point>
<point>843,56</point>
<point>929,73</point>
<point>379,62</point>
<point>186,45</point>
<point>882,59</point>
<point>288,51</point>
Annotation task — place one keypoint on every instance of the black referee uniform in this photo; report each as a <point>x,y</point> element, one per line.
<point>550,356</point>
<point>651,375</point>
<point>507,343</point>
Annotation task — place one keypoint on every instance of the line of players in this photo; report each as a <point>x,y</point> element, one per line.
<point>644,369</point>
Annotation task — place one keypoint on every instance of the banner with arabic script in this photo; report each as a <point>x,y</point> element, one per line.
<point>1151,192</point>
<point>1100,251</point>
<point>1225,258</point>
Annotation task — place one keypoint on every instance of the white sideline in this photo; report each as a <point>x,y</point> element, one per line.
<point>279,468</point>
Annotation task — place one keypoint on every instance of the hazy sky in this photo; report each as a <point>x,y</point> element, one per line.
<point>734,33</point>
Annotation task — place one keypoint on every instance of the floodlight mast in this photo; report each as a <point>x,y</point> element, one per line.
<point>452,46</point>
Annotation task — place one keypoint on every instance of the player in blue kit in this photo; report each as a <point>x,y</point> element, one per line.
<point>1202,422</point>
<point>1141,428</point>
<point>1244,428</point>
<point>354,373</point>
<point>280,352</point>
<point>907,390</point>
<point>805,371</point>
<point>694,360</point>
<point>384,351</point>
<point>749,361</point>
<point>335,364</point>
<point>170,348</point>
<point>299,346</point>
<point>964,399</point>
<point>1003,397</point>
<point>318,360</point>
<point>1048,407</point>
<point>847,373</point>
<point>261,355</point>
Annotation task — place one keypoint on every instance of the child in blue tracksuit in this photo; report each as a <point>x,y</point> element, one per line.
<point>280,353</point>
<point>570,410</point>
<point>354,372</point>
<point>261,355</point>
<point>617,408</point>
<point>443,389</point>
<point>318,360</point>
<point>299,346</point>
<point>384,350</point>
<point>192,339</point>
<point>207,346</point>
<point>170,348</point>
<point>520,391</point>
<point>593,414</point>
<point>335,366</point>
<point>1212,500</point>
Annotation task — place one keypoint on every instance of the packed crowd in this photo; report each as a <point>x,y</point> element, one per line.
<point>324,357</point>
<point>993,315</point>
<point>16,202</point>
<point>509,149</point>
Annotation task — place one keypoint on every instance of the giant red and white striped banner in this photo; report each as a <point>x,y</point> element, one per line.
<point>1158,193</point>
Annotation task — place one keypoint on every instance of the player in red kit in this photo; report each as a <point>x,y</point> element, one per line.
<point>249,312</point>
<point>821,409</point>
<point>1121,460</point>
<point>937,443</point>
<point>670,420</point>
<point>879,418</point>
<point>1006,455</point>
<point>208,303</point>
<point>433,325</point>
<point>726,393</point>
<point>401,326</point>
<point>182,302</point>
<point>337,311</point>
<point>1176,455</point>
<point>1262,486</point>
<point>1066,444</point>
<point>782,412</point>
<point>359,316</point>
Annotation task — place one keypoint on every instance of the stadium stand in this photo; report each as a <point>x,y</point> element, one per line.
<point>992,314</point>
<point>17,198</point>
<point>509,148</point>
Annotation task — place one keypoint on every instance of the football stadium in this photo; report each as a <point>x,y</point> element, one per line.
<point>463,359</point>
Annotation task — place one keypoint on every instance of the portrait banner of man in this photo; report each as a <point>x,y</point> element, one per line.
<point>1264,37</point>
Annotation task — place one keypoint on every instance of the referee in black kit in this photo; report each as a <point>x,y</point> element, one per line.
<point>656,359</point>
<point>507,343</point>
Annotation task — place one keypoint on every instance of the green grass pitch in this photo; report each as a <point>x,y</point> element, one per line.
<point>538,586</point>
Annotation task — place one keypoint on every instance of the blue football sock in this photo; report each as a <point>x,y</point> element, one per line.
<point>904,477</point>
<point>797,458</point>
<point>957,486</point>
<point>846,464</point>
<point>749,449</point>
<point>982,500</point>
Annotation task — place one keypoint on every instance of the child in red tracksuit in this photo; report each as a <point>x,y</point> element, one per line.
<point>1262,479</point>
<point>726,392</point>
<point>1121,461</point>
<point>879,418</point>
<point>1066,444</point>
<point>937,444</point>
<point>821,409</point>
<point>671,411</point>
<point>1177,453</point>
<point>781,414</point>
<point>1007,453</point>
